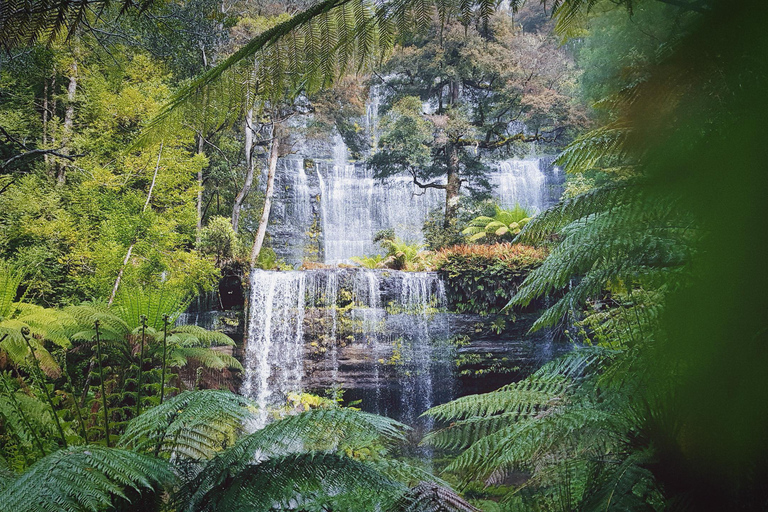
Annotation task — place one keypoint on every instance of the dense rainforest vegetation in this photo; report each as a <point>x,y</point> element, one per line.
<point>139,146</point>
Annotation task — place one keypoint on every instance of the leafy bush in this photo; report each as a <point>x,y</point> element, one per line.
<point>375,261</point>
<point>483,278</point>
<point>218,239</point>
<point>504,224</point>
<point>437,236</point>
<point>402,255</point>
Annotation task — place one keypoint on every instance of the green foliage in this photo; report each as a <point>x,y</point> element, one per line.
<point>482,278</point>
<point>372,262</point>
<point>84,478</point>
<point>402,255</point>
<point>259,468</point>
<point>554,426</point>
<point>504,224</point>
<point>218,239</point>
<point>192,425</point>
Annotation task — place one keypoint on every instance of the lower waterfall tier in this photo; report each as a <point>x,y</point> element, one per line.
<point>382,337</point>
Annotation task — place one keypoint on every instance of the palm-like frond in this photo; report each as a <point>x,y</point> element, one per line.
<point>26,418</point>
<point>151,303</point>
<point>205,357</point>
<point>193,424</point>
<point>83,478</point>
<point>26,22</point>
<point>314,434</point>
<point>304,481</point>
<point>195,336</point>
<point>10,279</point>
<point>15,346</point>
<point>607,144</point>
<point>319,430</point>
<point>431,497</point>
<point>609,236</point>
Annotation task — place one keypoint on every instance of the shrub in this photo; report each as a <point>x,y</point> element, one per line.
<point>504,224</point>
<point>482,278</point>
<point>218,239</point>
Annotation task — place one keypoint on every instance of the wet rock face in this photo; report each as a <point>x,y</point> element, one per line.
<point>379,336</point>
<point>382,337</point>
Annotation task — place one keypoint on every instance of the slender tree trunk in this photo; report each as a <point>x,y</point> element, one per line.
<point>273,155</point>
<point>133,243</point>
<point>452,187</point>
<point>50,169</point>
<point>69,116</point>
<point>45,123</point>
<point>200,142</point>
<point>249,165</point>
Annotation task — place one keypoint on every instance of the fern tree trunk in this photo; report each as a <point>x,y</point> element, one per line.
<point>274,153</point>
<point>249,165</point>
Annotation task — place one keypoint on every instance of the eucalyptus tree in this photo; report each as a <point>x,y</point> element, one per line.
<point>480,91</point>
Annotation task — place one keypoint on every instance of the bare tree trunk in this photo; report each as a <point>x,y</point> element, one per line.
<point>50,168</point>
<point>200,142</point>
<point>69,116</point>
<point>452,188</point>
<point>133,243</point>
<point>249,165</point>
<point>262,231</point>
<point>45,123</point>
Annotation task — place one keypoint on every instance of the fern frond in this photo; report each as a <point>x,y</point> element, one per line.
<point>84,478</point>
<point>10,279</point>
<point>605,144</point>
<point>193,424</point>
<point>202,336</point>
<point>305,481</point>
<point>328,430</point>
<point>430,497</point>
<point>208,358</point>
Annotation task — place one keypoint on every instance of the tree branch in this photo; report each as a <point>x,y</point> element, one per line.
<point>32,152</point>
<point>426,185</point>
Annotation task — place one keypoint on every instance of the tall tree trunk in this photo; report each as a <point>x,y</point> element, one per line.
<point>200,142</point>
<point>249,165</point>
<point>274,151</point>
<point>452,187</point>
<point>133,242</point>
<point>69,116</point>
<point>45,123</point>
<point>50,168</point>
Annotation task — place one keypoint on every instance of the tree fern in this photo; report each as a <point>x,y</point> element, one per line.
<point>430,497</point>
<point>319,430</point>
<point>83,478</point>
<point>193,424</point>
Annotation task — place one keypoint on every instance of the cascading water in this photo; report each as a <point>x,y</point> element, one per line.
<point>393,317</point>
<point>274,355</point>
<point>519,182</point>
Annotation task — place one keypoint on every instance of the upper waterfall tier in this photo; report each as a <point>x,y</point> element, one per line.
<point>329,209</point>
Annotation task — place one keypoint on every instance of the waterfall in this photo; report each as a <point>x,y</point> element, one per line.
<point>275,347</point>
<point>393,318</point>
<point>420,295</point>
<point>519,182</point>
